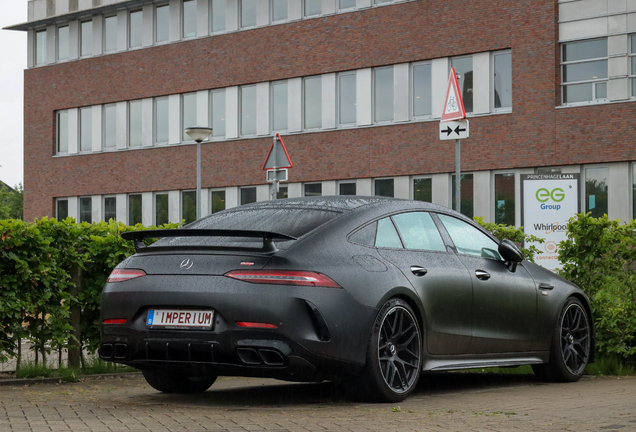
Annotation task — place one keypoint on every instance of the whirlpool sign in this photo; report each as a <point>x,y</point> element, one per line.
<point>548,201</point>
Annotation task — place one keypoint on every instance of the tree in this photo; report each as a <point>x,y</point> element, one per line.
<point>11,203</point>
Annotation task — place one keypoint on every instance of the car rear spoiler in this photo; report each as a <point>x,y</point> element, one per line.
<point>267,236</point>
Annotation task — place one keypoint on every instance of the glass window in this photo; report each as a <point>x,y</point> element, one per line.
<point>346,4</point>
<point>188,113</point>
<point>110,208</point>
<point>313,102</point>
<point>313,189</point>
<point>110,33</point>
<point>383,94</point>
<point>464,70</point>
<point>135,29</point>
<point>347,98</point>
<point>505,199</point>
<point>468,239</point>
<point>86,210</point>
<point>384,188</point>
<point>62,131</point>
<point>86,129</point>
<point>632,61</point>
<point>62,209</point>
<point>466,201</point>
<point>218,15</point>
<point>62,43</point>
<point>248,13</point>
<point>502,80</point>
<point>161,120</point>
<point>279,106</point>
<point>134,209</point>
<point>596,191</point>
<point>110,126</point>
<point>40,47</point>
<point>386,236</point>
<point>189,206</point>
<point>283,192</point>
<point>423,189</point>
<point>418,231</point>
<point>162,23</point>
<point>218,113</point>
<point>584,71</point>
<point>218,201</point>
<point>248,195</point>
<point>312,7</point>
<point>279,10</point>
<point>161,209</point>
<point>189,18</point>
<point>634,191</point>
<point>347,189</point>
<point>378,2</point>
<point>248,110</point>
<point>86,30</point>
<point>134,123</point>
<point>422,90</point>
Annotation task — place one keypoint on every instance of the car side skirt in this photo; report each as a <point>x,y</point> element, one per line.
<point>440,363</point>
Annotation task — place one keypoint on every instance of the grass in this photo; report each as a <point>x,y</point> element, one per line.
<point>93,366</point>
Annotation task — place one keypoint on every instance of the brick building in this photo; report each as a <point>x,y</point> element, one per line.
<point>355,87</point>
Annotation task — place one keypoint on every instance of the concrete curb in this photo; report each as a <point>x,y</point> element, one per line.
<point>50,380</point>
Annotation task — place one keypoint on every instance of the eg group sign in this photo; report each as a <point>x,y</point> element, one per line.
<point>548,202</point>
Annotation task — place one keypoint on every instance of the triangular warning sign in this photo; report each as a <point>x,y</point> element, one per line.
<point>277,156</point>
<point>453,105</point>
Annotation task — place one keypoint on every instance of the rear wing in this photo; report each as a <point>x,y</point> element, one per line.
<point>267,236</point>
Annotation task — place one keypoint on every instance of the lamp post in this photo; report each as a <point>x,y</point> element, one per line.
<point>198,134</point>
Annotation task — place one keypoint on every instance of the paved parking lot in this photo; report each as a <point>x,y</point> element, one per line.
<point>443,402</point>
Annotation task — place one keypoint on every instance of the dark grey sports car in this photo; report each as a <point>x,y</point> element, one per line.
<point>370,291</point>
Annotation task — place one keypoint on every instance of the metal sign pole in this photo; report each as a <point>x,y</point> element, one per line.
<point>275,182</point>
<point>458,181</point>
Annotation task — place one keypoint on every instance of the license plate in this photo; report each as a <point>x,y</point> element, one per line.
<point>180,319</point>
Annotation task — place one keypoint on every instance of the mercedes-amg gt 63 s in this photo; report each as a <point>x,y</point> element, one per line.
<point>368,291</point>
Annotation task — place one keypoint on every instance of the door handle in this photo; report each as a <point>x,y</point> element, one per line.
<point>482,275</point>
<point>545,286</point>
<point>418,270</point>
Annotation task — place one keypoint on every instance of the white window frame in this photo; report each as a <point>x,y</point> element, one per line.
<point>154,206</point>
<point>129,125</point>
<point>412,91</point>
<point>104,129</point>
<point>155,26</point>
<point>383,178</point>
<point>211,111</point>
<point>312,183</point>
<point>80,116</point>
<point>183,36</point>
<point>494,54</point>
<point>594,82</point>
<point>338,107</point>
<point>271,14</point>
<point>57,134</point>
<point>210,200</point>
<point>240,16</point>
<point>271,104</point>
<point>346,9</point>
<point>240,110</point>
<point>412,186</point>
<point>304,12</point>
<point>341,182</point>
<point>81,38</point>
<point>185,138</point>
<point>57,43</point>
<point>303,102</point>
<point>36,51</point>
<point>104,198</point>
<point>104,37</point>
<point>373,98</point>
<point>211,19</point>
<point>631,58</point>
<point>130,29</point>
<point>493,191</point>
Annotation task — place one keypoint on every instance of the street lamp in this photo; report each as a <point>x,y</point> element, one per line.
<point>198,134</point>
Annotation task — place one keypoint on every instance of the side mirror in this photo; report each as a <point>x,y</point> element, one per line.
<point>511,253</point>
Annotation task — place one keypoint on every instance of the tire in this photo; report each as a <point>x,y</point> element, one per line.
<point>169,383</point>
<point>394,355</point>
<point>571,343</point>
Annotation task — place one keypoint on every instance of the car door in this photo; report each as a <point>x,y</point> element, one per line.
<point>504,302</point>
<point>413,243</point>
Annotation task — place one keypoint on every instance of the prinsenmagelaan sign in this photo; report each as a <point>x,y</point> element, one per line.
<point>547,202</point>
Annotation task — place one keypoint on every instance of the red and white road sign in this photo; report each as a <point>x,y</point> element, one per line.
<point>453,105</point>
<point>277,156</point>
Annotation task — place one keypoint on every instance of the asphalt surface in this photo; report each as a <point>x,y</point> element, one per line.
<point>442,402</point>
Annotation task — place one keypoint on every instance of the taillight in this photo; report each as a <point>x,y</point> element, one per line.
<point>256,325</point>
<point>120,275</point>
<point>283,277</point>
<point>114,321</point>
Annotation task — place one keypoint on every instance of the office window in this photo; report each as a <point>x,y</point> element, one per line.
<point>634,191</point>
<point>248,13</point>
<point>134,209</point>
<point>135,29</point>
<point>86,210</point>
<point>596,191</point>
<point>110,127</point>
<point>40,47</point>
<point>422,90</point>
<point>279,10</point>
<point>218,15</point>
<point>505,199</point>
<point>110,33</point>
<point>62,43</point>
<point>188,113</point>
<point>347,98</point>
<point>283,192</point>
<point>189,206</point>
<point>632,60</point>
<point>312,7</point>
<point>189,18</point>
<point>162,23</point>
<point>466,201</point>
<point>423,189</point>
<point>161,120</point>
<point>110,208</point>
<point>161,209</point>
<point>218,113</point>
<point>379,2</point>
<point>313,102</point>
<point>384,187</point>
<point>86,37</point>
<point>134,123</point>
<point>86,129</point>
<point>62,131</point>
<point>464,70</point>
<point>279,106</point>
<point>248,110</point>
<point>313,189</point>
<point>346,4</point>
<point>217,201</point>
<point>383,94</point>
<point>248,195</point>
<point>62,209</point>
<point>584,71</point>
<point>502,80</point>
<point>347,188</point>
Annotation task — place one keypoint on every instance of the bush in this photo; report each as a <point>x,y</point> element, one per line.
<point>502,231</point>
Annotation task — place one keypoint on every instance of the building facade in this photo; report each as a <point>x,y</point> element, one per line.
<point>355,87</point>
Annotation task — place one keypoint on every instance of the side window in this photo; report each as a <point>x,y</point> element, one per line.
<point>387,236</point>
<point>469,240</point>
<point>418,231</point>
<point>365,236</point>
